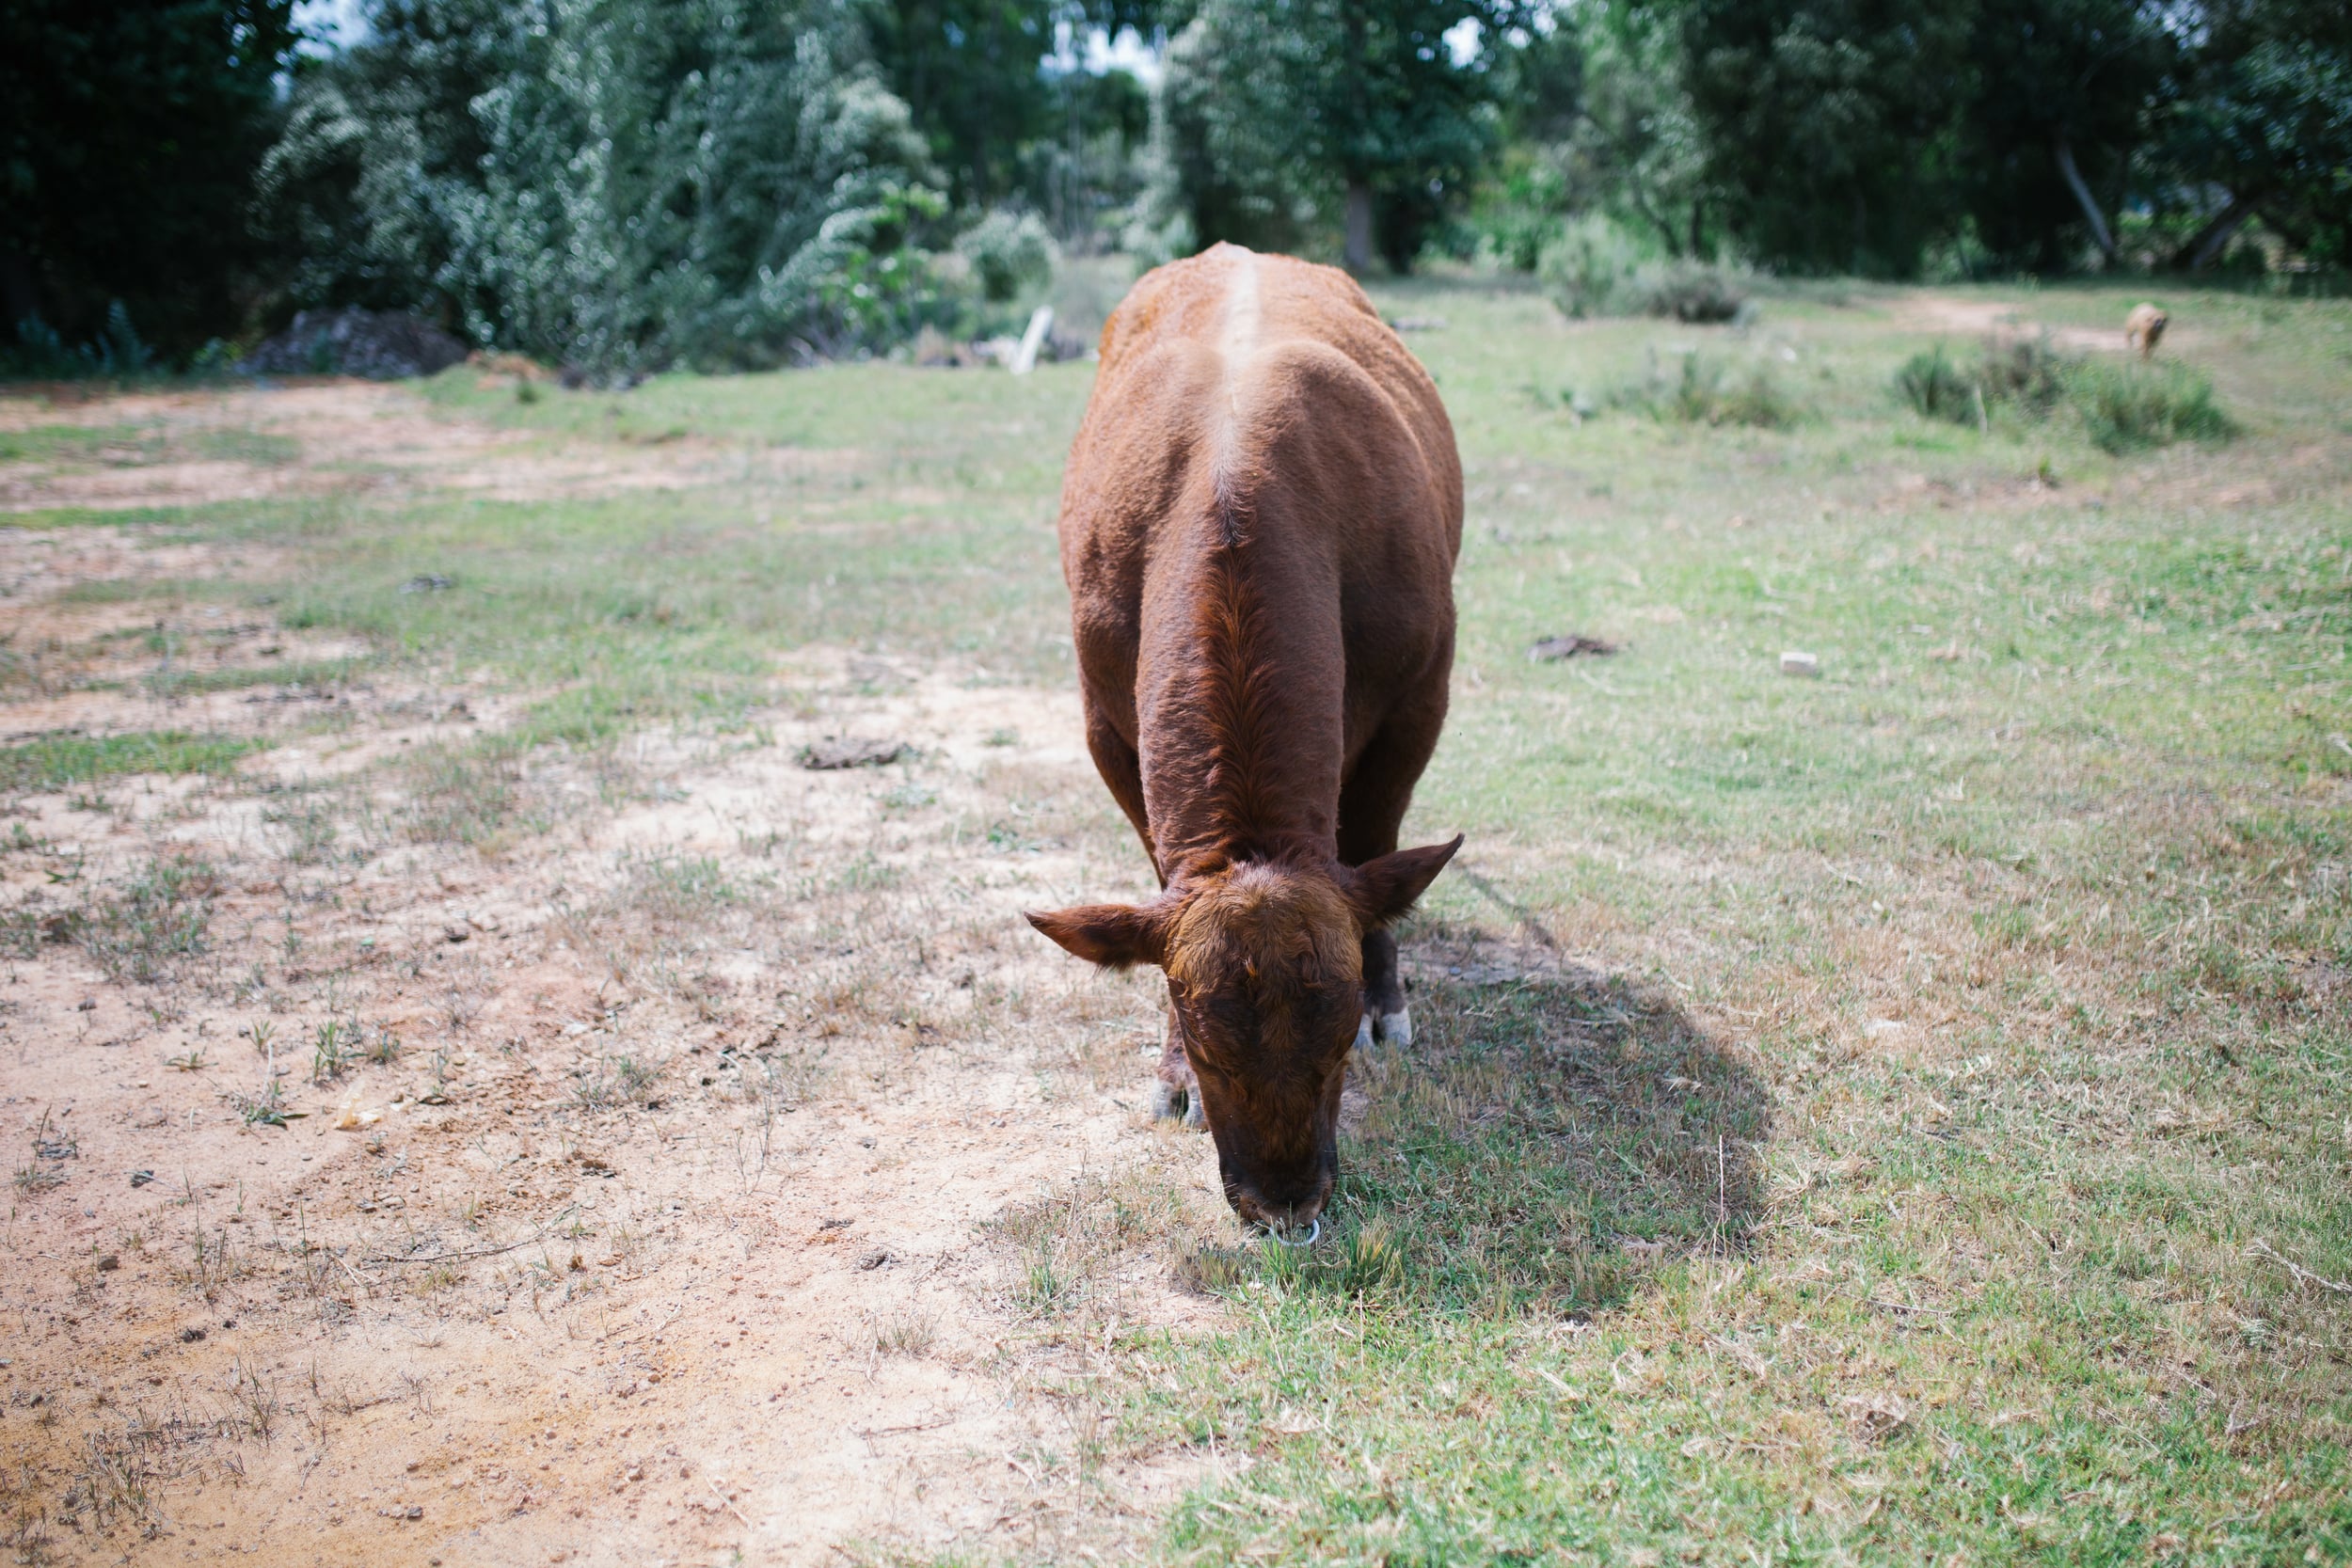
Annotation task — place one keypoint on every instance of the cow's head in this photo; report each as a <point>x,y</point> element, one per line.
<point>1264,965</point>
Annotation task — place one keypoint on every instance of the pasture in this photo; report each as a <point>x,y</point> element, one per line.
<point>480,1099</point>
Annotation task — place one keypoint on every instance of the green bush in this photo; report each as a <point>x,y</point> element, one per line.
<point>1011,254</point>
<point>621,186</point>
<point>1696,291</point>
<point>1588,266</point>
<point>1704,392</point>
<point>1936,390</point>
<point>2123,406</point>
<point>2130,407</point>
<point>1593,267</point>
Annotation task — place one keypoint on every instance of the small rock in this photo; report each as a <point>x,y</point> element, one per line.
<point>88,1004</point>
<point>456,932</point>
<point>108,1263</point>
<point>141,1178</point>
<point>190,1336</point>
<point>1795,663</point>
<point>874,1260</point>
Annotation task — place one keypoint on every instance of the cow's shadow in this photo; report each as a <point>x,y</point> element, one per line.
<point>1551,1134</point>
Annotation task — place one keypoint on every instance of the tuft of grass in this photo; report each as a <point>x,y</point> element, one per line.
<point>1702,390</point>
<point>142,929</point>
<point>2122,406</point>
<point>2128,407</point>
<point>62,762</point>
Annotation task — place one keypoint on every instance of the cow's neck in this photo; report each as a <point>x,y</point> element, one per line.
<point>1240,678</point>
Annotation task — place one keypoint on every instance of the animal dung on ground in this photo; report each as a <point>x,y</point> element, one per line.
<point>1574,645</point>
<point>834,752</point>
<point>1795,663</point>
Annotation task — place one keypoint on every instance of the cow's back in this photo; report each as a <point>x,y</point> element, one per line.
<point>1265,390</point>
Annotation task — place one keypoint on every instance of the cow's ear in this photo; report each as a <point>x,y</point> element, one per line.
<point>1117,936</point>
<point>1386,888</point>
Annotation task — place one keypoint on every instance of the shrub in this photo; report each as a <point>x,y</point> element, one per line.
<point>1587,266</point>
<point>1593,267</point>
<point>1703,391</point>
<point>2122,406</point>
<point>1696,291</point>
<point>1935,388</point>
<point>2129,407</point>
<point>1009,253</point>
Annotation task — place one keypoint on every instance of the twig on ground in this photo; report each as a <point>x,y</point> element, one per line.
<point>2302,1276</point>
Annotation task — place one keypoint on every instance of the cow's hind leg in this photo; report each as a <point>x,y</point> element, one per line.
<point>1175,1092</point>
<point>1372,807</point>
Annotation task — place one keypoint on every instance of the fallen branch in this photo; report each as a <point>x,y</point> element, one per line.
<point>2302,1276</point>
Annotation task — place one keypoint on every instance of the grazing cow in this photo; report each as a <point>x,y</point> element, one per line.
<point>2144,328</point>
<point>1259,527</point>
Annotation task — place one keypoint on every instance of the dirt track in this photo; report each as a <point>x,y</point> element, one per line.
<point>695,1202</point>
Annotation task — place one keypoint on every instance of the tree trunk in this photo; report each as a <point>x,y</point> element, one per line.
<point>2205,246</point>
<point>2101,235</point>
<point>1359,228</point>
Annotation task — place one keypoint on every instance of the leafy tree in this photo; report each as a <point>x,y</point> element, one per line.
<point>1598,95</point>
<point>618,183</point>
<point>2264,120</point>
<point>1830,125</point>
<point>2062,94</point>
<point>129,134</point>
<point>1286,115</point>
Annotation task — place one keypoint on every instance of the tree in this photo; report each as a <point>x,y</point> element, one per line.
<point>1601,91</point>
<point>2063,93</point>
<point>1830,125</point>
<point>2262,127</point>
<point>615,183</point>
<point>1288,114</point>
<point>129,134</point>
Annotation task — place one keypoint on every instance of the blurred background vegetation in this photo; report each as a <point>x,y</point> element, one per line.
<point>628,186</point>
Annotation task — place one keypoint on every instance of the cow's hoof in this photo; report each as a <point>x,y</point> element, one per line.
<point>1363,1033</point>
<point>1396,1028</point>
<point>1194,1117</point>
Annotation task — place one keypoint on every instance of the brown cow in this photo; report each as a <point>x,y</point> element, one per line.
<point>1259,527</point>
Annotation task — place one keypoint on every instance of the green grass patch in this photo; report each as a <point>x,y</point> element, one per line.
<point>66,761</point>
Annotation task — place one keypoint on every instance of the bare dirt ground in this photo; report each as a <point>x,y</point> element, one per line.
<point>350,435</point>
<point>1990,318</point>
<point>678,1175</point>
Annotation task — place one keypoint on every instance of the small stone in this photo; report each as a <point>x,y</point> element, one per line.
<point>1795,663</point>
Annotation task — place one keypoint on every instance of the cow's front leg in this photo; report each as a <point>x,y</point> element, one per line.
<point>1175,1092</point>
<point>1385,1012</point>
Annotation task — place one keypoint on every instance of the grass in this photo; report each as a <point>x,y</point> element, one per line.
<point>2121,406</point>
<point>1857,1119</point>
<point>62,762</point>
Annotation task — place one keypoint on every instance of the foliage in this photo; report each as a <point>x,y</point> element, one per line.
<point>1703,391</point>
<point>1826,122</point>
<point>1295,123</point>
<point>129,134</point>
<point>2121,405</point>
<point>626,184</point>
<point>1009,254</point>
<point>1593,267</point>
<point>1600,122</point>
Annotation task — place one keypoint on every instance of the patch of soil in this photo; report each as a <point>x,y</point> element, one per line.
<point>1989,318</point>
<point>355,435</point>
<point>634,1194</point>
